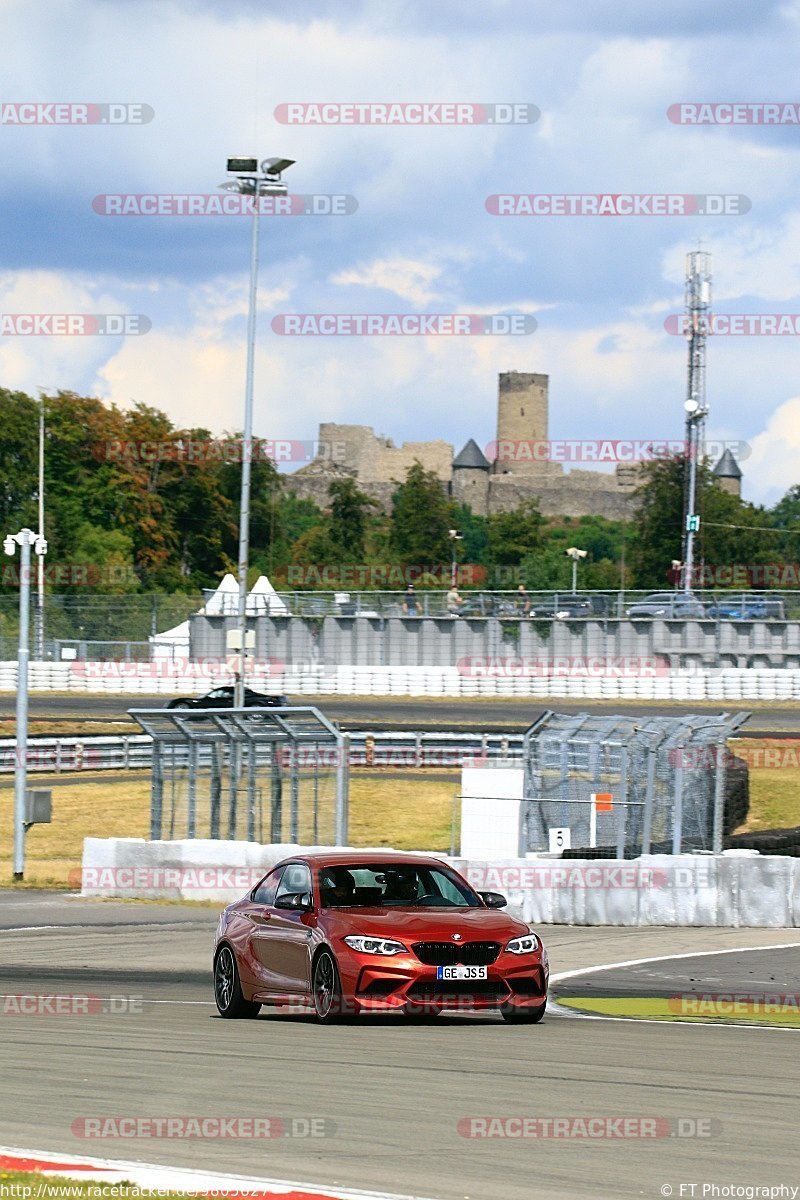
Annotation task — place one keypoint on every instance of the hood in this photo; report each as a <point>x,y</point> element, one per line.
<point>432,924</point>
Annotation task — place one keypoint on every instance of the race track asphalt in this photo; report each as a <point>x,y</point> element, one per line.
<point>420,712</point>
<point>394,1091</point>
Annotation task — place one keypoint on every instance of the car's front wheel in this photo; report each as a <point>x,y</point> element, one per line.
<point>228,994</point>
<point>517,1015</point>
<point>326,989</point>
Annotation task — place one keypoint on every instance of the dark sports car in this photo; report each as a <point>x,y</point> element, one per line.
<point>343,932</point>
<point>222,697</point>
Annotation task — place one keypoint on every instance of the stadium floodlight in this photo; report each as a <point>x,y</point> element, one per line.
<point>276,166</point>
<point>243,166</point>
<point>575,554</point>
<point>10,545</point>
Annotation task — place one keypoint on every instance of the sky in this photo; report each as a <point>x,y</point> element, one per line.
<point>602,75</point>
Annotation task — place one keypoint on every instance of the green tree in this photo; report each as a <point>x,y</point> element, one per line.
<point>421,517</point>
<point>349,517</point>
<point>512,537</point>
<point>729,527</point>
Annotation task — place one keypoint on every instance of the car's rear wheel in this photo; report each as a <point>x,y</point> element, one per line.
<point>228,994</point>
<point>326,990</point>
<point>517,1015</point>
<point>180,704</point>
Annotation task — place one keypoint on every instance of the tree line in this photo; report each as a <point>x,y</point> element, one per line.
<point>137,505</point>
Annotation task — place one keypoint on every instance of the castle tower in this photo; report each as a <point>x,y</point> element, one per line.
<point>471,478</point>
<point>728,474</point>
<point>522,424</point>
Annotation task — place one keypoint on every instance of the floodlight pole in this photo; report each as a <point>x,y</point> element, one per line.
<point>38,629</point>
<point>244,506</point>
<point>256,183</point>
<point>24,539</point>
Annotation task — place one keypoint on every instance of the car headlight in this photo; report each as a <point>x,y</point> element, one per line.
<point>528,944</point>
<point>372,945</point>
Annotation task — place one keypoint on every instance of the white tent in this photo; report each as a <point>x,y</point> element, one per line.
<point>264,599</point>
<point>225,600</point>
<point>172,643</point>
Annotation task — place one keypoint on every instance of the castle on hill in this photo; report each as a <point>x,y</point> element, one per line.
<point>522,465</point>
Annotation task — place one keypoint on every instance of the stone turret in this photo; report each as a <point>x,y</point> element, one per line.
<point>471,478</point>
<point>728,474</point>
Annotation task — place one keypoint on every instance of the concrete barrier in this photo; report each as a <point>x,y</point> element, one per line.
<point>778,684</point>
<point>733,889</point>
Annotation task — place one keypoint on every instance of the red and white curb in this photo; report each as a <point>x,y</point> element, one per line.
<point>153,1176</point>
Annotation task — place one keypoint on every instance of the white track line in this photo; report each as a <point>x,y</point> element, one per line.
<point>556,1009</point>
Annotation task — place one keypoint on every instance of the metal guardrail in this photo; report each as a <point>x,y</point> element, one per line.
<point>378,750</point>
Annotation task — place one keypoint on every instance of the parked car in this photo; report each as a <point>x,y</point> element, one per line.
<point>670,605</point>
<point>563,606</point>
<point>222,697</point>
<point>743,606</point>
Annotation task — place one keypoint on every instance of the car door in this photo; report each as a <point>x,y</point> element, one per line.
<point>291,932</point>
<point>257,915</point>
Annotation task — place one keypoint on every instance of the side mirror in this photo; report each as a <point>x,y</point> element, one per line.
<point>296,901</point>
<point>493,899</point>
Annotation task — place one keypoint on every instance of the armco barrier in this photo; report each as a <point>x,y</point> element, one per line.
<point>723,684</point>
<point>735,889</point>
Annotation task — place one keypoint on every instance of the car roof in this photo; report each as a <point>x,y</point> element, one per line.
<point>354,858</point>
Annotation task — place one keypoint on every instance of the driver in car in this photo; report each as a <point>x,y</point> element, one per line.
<point>338,887</point>
<point>401,887</point>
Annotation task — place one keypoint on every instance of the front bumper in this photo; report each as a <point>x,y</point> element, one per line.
<point>381,984</point>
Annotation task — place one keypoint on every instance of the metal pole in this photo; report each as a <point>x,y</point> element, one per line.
<point>342,777</point>
<point>719,797</point>
<point>574,575</point>
<point>688,566</point>
<point>23,653</point>
<point>677,808</point>
<point>244,509</point>
<point>38,636</point>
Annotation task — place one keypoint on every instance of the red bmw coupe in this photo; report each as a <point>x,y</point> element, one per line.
<point>346,932</point>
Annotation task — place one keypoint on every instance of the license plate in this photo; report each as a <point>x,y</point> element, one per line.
<point>461,972</point>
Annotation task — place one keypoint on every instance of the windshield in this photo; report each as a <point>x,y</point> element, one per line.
<point>394,885</point>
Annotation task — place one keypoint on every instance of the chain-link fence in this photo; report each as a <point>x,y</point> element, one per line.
<point>244,774</point>
<point>639,786</point>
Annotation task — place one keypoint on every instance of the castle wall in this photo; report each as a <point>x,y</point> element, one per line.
<point>578,494</point>
<point>377,459</point>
